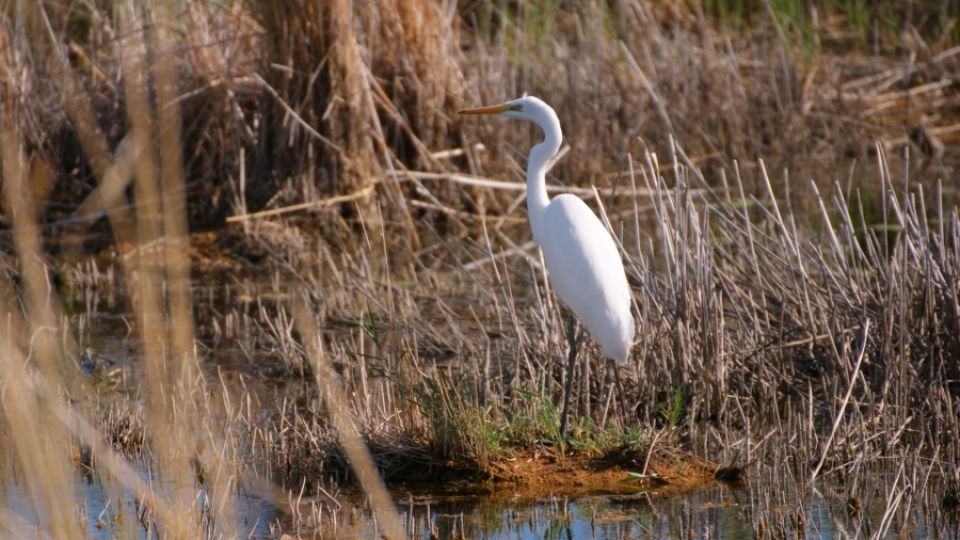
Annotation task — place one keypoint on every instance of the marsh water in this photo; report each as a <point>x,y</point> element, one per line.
<point>720,511</point>
<point>888,504</point>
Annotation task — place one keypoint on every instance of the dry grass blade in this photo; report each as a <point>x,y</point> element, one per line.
<point>330,201</point>
<point>864,335</point>
<point>38,444</point>
<point>338,408</point>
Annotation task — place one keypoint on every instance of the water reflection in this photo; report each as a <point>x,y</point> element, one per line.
<point>107,512</point>
<point>700,515</point>
<point>717,512</point>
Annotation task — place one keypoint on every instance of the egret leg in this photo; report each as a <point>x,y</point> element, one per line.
<point>623,399</point>
<point>571,359</point>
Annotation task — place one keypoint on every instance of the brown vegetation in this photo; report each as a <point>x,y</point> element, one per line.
<point>794,330</point>
<point>283,103</point>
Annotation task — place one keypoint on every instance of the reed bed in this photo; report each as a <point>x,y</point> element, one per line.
<point>801,331</point>
<point>273,114</point>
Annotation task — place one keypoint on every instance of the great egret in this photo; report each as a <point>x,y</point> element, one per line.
<point>582,259</point>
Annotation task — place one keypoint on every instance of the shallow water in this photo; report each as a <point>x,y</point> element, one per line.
<point>716,512</point>
<point>700,515</point>
<point>107,512</point>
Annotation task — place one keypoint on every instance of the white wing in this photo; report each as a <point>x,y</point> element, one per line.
<point>587,273</point>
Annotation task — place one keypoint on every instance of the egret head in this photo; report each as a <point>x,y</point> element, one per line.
<point>529,108</point>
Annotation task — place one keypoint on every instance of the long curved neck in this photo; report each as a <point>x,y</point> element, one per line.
<point>537,198</point>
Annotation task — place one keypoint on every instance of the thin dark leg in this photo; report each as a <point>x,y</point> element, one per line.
<point>571,358</point>
<point>623,399</point>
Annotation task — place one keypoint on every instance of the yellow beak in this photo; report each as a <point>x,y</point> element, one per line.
<point>492,109</point>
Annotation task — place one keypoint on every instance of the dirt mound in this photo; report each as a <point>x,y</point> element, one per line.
<point>543,472</point>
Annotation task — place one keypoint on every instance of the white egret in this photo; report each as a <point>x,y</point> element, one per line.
<point>581,257</point>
